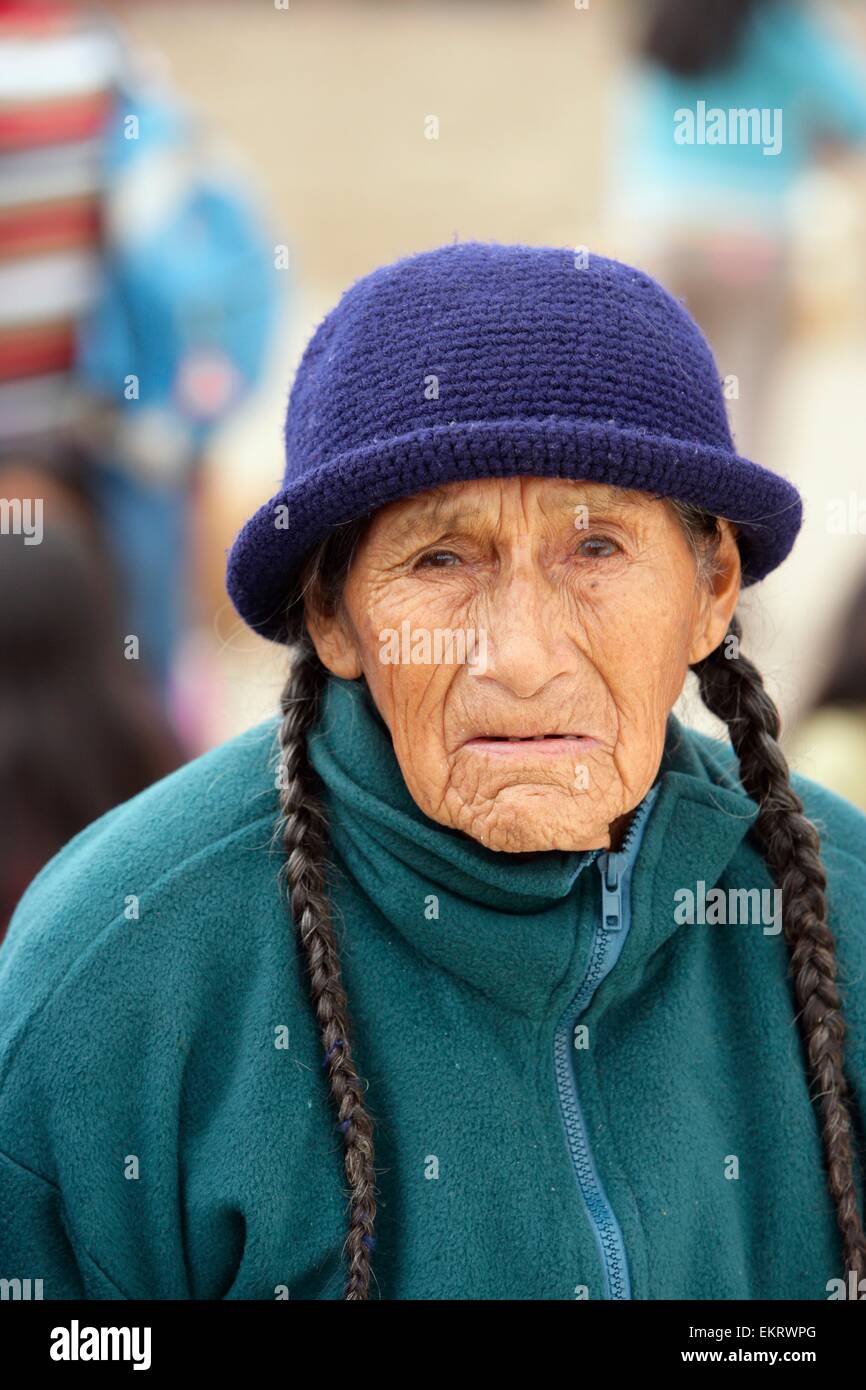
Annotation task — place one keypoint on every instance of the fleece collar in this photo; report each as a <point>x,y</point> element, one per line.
<point>452,898</point>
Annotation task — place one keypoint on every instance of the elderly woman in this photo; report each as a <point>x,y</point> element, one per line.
<point>476,974</point>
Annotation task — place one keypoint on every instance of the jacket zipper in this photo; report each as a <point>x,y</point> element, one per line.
<point>607,943</point>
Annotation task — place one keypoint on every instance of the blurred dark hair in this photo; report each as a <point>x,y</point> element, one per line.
<point>845,682</point>
<point>690,37</point>
<point>81,727</point>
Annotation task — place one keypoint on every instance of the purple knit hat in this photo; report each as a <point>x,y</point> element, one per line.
<point>481,360</point>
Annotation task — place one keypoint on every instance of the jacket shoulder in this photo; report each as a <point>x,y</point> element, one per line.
<point>840,824</point>
<point>180,828</point>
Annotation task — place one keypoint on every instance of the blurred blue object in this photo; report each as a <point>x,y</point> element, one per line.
<point>146,528</point>
<point>187,304</point>
<point>789,83</point>
<point>177,338</point>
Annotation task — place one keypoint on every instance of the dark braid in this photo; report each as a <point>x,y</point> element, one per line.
<point>733,690</point>
<point>304,833</point>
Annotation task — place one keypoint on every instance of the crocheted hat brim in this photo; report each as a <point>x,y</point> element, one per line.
<point>267,554</point>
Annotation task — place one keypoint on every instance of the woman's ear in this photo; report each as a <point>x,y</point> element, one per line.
<point>334,646</point>
<point>720,597</point>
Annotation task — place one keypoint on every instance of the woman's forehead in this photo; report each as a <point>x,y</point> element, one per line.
<point>549,495</point>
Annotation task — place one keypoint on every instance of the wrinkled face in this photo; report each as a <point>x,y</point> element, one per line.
<point>524,640</point>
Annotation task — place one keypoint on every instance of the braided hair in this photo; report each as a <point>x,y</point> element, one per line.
<point>733,690</point>
<point>303,826</point>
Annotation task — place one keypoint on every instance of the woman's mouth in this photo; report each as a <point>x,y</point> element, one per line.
<point>546,745</point>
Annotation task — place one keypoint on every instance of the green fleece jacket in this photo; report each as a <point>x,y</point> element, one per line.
<point>583,1069</point>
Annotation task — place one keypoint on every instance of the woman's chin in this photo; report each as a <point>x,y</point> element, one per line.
<point>529,819</point>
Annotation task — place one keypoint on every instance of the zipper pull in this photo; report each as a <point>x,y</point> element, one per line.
<point>611,866</point>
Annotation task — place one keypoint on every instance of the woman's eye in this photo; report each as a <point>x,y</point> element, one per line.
<point>597,547</point>
<point>591,548</point>
<point>437,559</point>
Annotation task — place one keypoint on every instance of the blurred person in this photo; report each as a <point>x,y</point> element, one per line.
<point>726,104</point>
<point>829,743</point>
<point>81,727</point>
<point>137,290</point>
<point>428,1012</point>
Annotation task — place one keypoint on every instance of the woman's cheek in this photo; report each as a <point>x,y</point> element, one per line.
<point>643,668</point>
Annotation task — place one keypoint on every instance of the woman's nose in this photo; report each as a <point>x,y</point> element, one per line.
<point>527,643</point>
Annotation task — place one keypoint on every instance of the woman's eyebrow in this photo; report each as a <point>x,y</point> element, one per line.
<point>441,514</point>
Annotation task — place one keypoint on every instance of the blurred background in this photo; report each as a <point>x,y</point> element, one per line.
<point>187,187</point>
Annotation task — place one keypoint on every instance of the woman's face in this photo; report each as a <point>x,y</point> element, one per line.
<point>524,640</point>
